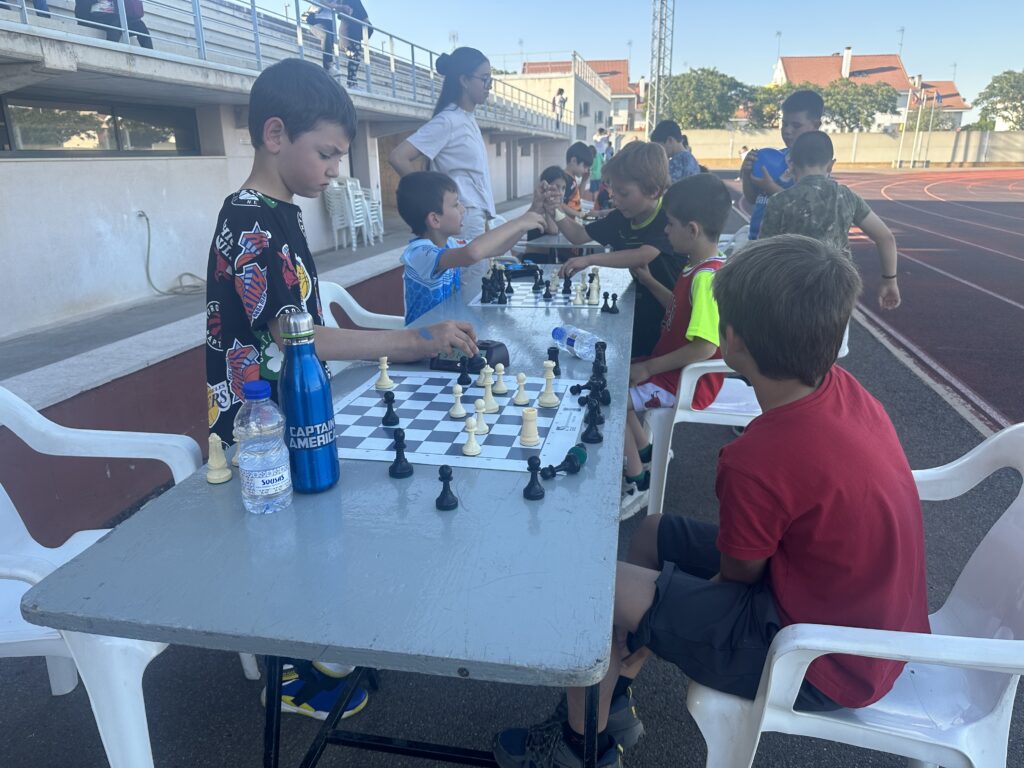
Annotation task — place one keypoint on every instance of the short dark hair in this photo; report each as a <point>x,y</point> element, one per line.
<point>421,193</point>
<point>640,163</point>
<point>807,101</point>
<point>302,95</point>
<point>552,173</point>
<point>580,152</point>
<point>702,198</point>
<point>665,130</point>
<point>789,298</point>
<point>812,150</point>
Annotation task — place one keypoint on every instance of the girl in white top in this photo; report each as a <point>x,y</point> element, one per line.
<point>452,141</point>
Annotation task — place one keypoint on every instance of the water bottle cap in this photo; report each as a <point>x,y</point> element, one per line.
<point>256,390</point>
<point>297,325</point>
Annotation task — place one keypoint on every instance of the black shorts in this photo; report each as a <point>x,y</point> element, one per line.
<point>717,633</point>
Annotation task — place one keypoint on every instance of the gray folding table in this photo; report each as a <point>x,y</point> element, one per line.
<point>370,573</point>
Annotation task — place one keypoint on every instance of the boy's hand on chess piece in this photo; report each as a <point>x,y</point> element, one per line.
<point>451,334</point>
<point>638,373</point>
<point>574,265</point>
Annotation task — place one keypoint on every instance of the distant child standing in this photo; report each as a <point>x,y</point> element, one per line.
<point>681,162</point>
<point>820,207</point>
<point>579,159</point>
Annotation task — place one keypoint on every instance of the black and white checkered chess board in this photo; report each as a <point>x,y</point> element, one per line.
<point>422,401</point>
<point>524,297</point>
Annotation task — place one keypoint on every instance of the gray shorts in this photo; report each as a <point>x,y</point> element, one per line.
<point>717,633</point>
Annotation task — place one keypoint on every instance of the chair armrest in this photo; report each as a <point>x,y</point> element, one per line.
<point>797,645</point>
<point>179,452</point>
<point>999,451</point>
<point>689,376</point>
<point>25,568</point>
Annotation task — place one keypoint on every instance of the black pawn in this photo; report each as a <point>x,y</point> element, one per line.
<point>615,307</point>
<point>464,379</point>
<point>599,349</point>
<point>447,501</point>
<point>400,467</point>
<point>538,284</point>
<point>533,490</point>
<point>548,296</point>
<point>592,434</point>
<point>508,283</point>
<point>605,307</point>
<point>553,357</point>
<point>390,417</point>
<point>502,297</point>
<point>567,286</point>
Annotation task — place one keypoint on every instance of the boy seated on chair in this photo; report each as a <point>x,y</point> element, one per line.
<point>819,519</point>
<point>429,203</point>
<point>260,267</point>
<point>696,209</point>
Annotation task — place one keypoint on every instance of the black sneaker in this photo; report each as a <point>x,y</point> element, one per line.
<point>544,746</point>
<point>624,724</point>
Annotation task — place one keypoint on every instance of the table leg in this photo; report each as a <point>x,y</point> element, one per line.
<point>591,698</point>
<point>317,747</point>
<point>272,724</point>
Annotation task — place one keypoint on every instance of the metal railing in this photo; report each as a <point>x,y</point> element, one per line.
<point>586,73</point>
<point>240,34</point>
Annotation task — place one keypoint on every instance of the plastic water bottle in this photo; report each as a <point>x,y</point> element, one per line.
<point>262,454</point>
<point>305,394</point>
<point>579,342</point>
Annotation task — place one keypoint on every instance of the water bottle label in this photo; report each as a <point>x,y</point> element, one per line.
<point>266,482</point>
<point>302,438</point>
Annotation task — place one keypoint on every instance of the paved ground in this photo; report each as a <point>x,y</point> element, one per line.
<point>203,712</point>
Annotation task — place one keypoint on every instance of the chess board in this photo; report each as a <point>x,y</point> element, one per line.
<point>422,400</point>
<point>524,297</point>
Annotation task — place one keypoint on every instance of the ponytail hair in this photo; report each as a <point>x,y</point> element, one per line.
<point>461,62</point>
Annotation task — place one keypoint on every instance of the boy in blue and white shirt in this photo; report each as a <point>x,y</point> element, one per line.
<point>429,203</point>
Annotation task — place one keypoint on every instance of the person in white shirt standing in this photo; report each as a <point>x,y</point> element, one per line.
<point>451,139</point>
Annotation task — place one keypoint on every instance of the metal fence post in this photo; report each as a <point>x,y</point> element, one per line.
<point>256,35</point>
<point>124,23</point>
<point>197,18</point>
<point>391,65</point>
<point>23,11</point>
<point>365,33</point>
<point>298,30</point>
<point>412,57</point>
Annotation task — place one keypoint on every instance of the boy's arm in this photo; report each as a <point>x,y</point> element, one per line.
<point>633,257</point>
<point>662,294</point>
<point>881,235</point>
<point>742,571</point>
<point>694,352</point>
<point>492,243</point>
<point>574,232</point>
<point>406,345</point>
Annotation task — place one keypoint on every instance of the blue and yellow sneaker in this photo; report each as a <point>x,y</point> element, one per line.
<point>312,693</point>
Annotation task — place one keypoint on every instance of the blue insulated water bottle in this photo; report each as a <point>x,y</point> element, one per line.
<point>305,395</point>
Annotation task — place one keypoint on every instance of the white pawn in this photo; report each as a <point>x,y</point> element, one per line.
<point>481,423</point>
<point>520,397</point>
<point>383,381</point>
<point>500,388</point>
<point>577,298</point>
<point>481,378</point>
<point>457,411</point>
<point>548,398</point>
<point>471,447</point>
<point>217,469</point>
<point>528,435</point>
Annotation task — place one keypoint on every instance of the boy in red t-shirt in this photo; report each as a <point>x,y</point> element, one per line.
<point>820,520</point>
<point>696,209</point>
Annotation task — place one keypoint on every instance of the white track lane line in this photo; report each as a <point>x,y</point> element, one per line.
<point>927,191</point>
<point>884,193</point>
<point>956,239</point>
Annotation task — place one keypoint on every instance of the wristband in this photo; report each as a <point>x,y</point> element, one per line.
<point>560,214</point>
<point>888,277</point>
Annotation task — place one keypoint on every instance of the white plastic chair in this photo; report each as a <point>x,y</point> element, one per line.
<point>952,704</point>
<point>332,293</point>
<point>111,667</point>
<point>334,201</point>
<point>375,210</point>
<point>357,211</point>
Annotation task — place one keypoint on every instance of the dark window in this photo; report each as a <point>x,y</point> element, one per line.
<point>5,139</point>
<point>526,148</point>
<point>52,127</point>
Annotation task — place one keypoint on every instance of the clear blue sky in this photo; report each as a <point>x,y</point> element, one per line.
<point>982,37</point>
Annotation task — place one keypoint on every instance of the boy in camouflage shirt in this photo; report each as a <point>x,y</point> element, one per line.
<point>819,207</point>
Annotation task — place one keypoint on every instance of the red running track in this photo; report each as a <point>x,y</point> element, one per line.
<point>960,235</point>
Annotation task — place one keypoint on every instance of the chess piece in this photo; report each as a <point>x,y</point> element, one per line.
<point>400,467</point>
<point>480,422</point>
<point>533,491</point>
<point>538,284</point>
<point>490,404</point>
<point>567,286</point>
<point>390,417</point>
<point>481,377</point>
<point>615,307</point>
<point>593,297</point>
<point>457,411</point>
<point>528,435</point>
<point>520,397</point>
<point>600,348</point>
<point>447,501</point>
<point>471,447</point>
<point>591,434</point>
<point>485,291</point>
<point>464,379</point>
<point>548,296</point>
<point>502,297</point>
<point>605,307</point>
<point>553,357</point>
<point>571,464</point>
<point>500,387</point>
<point>383,381</point>
<point>217,469</point>
<point>577,299</point>
<point>548,398</point>
<point>508,281</point>
<point>234,456</point>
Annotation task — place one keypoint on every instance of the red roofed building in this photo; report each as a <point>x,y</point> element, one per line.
<point>868,69</point>
<point>625,96</point>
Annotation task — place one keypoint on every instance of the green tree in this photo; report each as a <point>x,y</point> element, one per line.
<point>764,105</point>
<point>1004,97</point>
<point>851,106</point>
<point>704,98</point>
<point>940,121</point>
<point>52,128</point>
